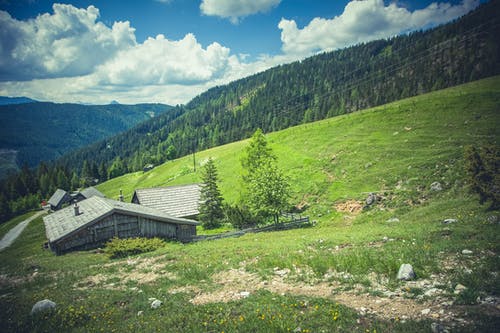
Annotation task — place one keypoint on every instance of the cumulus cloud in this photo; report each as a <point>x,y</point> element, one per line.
<point>69,42</point>
<point>162,61</point>
<point>234,10</point>
<point>363,21</point>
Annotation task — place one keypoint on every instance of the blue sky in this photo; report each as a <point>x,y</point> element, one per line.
<point>171,50</point>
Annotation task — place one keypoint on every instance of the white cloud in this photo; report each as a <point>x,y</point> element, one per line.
<point>363,21</point>
<point>67,43</point>
<point>161,61</point>
<point>235,9</point>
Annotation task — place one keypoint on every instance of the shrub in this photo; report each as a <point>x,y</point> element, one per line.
<point>483,166</point>
<point>241,217</point>
<point>119,248</point>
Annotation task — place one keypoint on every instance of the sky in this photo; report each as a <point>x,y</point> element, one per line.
<point>169,51</point>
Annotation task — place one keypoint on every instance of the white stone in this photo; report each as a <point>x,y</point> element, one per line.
<point>245,294</point>
<point>425,311</point>
<point>459,288</point>
<point>406,272</point>
<point>436,186</point>
<point>467,252</point>
<point>42,306</point>
<point>156,304</point>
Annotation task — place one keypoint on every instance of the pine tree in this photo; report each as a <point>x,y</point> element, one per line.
<point>211,207</point>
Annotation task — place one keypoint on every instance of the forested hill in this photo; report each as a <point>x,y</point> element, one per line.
<point>45,131</point>
<point>322,86</point>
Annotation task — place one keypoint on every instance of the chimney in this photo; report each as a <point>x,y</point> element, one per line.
<point>77,209</point>
<point>121,196</point>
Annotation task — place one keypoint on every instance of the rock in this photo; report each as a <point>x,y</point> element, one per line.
<point>244,294</point>
<point>43,306</point>
<point>437,328</point>
<point>281,272</point>
<point>425,312</point>
<point>393,220</point>
<point>371,199</point>
<point>156,304</point>
<point>436,186</point>
<point>449,221</point>
<point>431,292</point>
<point>459,288</point>
<point>140,313</point>
<point>492,219</point>
<point>406,272</point>
<point>467,252</point>
<point>385,239</point>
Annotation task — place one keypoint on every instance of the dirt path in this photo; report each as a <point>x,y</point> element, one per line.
<point>13,233</point>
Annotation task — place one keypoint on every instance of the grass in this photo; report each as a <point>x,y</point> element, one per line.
<point>396,150</point>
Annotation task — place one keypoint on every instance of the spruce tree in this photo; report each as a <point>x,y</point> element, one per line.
<point>211,200</point>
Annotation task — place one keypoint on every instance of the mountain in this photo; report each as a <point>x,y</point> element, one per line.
<point>45,131</point>
<point>319,87</point>
<point>15,100</point>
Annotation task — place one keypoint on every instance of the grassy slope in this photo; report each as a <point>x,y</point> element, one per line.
<point>397,150</point>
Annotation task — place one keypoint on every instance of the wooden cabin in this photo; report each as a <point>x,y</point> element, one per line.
<point>59,199</point>
<point>180,201</point>
<point>92,222</point>
<point>86,193</point>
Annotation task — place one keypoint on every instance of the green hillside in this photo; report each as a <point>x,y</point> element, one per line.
<point>338,276</point>
<point>412,142</point>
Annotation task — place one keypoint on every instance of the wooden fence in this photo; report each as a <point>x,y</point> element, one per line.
<point>296,221</point>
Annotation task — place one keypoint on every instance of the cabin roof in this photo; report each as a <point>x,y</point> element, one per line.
<point>58,196</point>
<point>90,192</point>
<point>64,222</point>
<point>180,201</point>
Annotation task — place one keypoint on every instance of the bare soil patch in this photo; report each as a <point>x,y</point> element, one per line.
<point>351,206</point>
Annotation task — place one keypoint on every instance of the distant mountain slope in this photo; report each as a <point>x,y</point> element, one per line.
<point>15,100</point>
<point>319,87</point>
<point>45,131</point>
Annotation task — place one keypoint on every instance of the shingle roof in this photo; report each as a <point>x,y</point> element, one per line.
<point>90,192</point>
<point>56,198</point>
<point>64,222</point>
<point>180,201</point>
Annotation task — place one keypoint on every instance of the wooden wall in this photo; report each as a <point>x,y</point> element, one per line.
<point>122,226</point>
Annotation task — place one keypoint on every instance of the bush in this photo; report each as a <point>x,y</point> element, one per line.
<point>241,217</point>
<point>119,248</point>
<point>483,168</point>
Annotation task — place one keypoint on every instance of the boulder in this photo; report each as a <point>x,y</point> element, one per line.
<point>406,272</point>
<point>43,306</point>
<point>467,252</point>
<point>449,221</point>
<point>371,199</point>
<point>436,186</point>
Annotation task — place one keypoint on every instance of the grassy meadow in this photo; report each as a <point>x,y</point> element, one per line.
<point>338,276</point>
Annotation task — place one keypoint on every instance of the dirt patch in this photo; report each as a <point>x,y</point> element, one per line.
<point>137,270</point>
<point>351,206</point>
<point>236,284</point>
